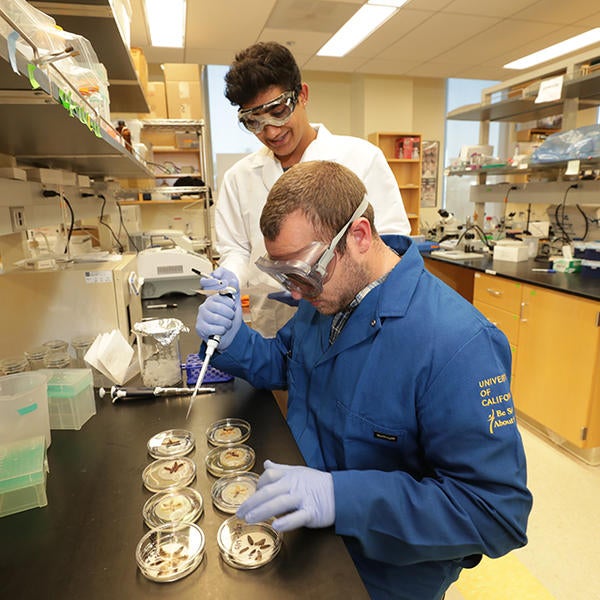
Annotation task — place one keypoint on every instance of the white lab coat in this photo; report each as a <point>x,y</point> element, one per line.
<point>244,192</point>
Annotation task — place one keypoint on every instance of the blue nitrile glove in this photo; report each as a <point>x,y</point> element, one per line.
<point>227,277</point>
<point>302,495</point>
<point>219,315</point>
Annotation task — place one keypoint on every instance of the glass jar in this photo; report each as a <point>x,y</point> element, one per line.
<point>57,360</point>
<point>81,345</point>
<point>158,351</point>
<point>56,345</point>
<point>35,356</point>
<point>13,364</point>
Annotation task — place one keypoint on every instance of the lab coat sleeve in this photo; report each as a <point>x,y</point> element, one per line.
<point>232,243</point>
<point>474,500</point>
<point>385,197</point>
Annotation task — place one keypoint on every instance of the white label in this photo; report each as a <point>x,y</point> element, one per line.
<point>550,89</point>
<point>98,276</point>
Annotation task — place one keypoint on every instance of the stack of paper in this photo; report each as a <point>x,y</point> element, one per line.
<point>112,355</point>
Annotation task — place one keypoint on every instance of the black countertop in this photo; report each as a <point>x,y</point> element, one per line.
<point>570,283</point>
<point>82,545</point>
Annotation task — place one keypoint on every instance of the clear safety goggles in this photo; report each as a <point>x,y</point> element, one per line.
<point>276,112</point>
<point>308,269</point>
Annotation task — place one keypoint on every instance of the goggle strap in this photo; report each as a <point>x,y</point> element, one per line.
<point>321,266</point>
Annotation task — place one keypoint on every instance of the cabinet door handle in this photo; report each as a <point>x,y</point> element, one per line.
<point>522,312</point>
<point>494,292</point>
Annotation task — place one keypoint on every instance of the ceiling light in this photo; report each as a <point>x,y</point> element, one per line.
<point>166,22</point>
<point>361,25</point>
<point>575,43</point>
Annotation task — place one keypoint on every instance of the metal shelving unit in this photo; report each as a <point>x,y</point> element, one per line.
<point>39,130</point>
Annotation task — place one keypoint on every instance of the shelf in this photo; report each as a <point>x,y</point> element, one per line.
<point>158,202</point>
<point>531,168</point>
<point>95,21</point>
<point>166,150</point>
<point>38,130</point>
<point>181,125</point>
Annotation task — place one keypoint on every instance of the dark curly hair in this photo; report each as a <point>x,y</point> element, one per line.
<point>258,67</point>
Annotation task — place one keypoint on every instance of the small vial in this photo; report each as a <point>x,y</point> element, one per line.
<point>13,364</point>
<point>35,356</point>
<point>57,360</point>
<point>246,316</point>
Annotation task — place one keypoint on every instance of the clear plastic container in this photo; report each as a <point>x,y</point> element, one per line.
<point>13,364</point>
<point>81,345</point>
<point>59,359</point>
<point>24,407</point>
<point>35,356</point>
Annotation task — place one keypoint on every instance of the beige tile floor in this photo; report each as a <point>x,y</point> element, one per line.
<point>562,558</point>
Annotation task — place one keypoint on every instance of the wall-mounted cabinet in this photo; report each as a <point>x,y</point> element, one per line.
<point>403,154</point>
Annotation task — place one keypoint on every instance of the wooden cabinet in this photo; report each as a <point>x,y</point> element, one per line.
<point>403,154</point>
<point>555,338</point>
<point>558,369</point>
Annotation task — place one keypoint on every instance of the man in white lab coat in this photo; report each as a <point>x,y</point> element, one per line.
<point>265,82</point>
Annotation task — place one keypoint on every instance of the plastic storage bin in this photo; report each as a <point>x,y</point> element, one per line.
<point>23,468</point>
<point>70,397</point>
<point>23,407</point>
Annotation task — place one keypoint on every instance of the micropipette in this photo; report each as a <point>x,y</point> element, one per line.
<point>211,346</point>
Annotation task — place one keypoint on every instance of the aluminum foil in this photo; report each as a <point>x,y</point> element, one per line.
<point>164,331</point>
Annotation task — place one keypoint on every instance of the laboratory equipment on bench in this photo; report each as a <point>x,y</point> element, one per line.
<point>167,270</point>
<point>158,351</point>
<point>118,392</point>
<point>211,346</point>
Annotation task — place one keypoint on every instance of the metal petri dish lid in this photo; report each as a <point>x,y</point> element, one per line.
<point>248,545</point>
<point>226,432</point>
<point>224,460</point>
<point>168,474</point>
<point>170,552</point>
<point>184,505</point>
<point>171,443</point>
<point>230,491</point>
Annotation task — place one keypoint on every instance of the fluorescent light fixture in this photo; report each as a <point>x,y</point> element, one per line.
<point>166,22</point>
<point>575,43</point>
<point>361,25</point>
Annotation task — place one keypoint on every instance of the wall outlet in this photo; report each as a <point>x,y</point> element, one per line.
<point>17,218</point>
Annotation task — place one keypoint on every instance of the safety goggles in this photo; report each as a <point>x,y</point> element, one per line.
<point>308,269</point>
<point>276,112</point>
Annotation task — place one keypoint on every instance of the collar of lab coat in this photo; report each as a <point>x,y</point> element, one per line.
<point>319,149</point>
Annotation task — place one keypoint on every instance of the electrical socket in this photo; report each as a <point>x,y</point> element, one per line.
<point>17,218</point>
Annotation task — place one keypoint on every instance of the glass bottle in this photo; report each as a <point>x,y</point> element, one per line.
<point>35,356</point>
<point>60,359</point>
<point>13,364</point>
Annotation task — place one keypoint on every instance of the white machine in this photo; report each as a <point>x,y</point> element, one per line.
<point>167,270</point>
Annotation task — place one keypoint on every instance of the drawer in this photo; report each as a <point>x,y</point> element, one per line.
<point>498,291</point>
<point>507,322</point>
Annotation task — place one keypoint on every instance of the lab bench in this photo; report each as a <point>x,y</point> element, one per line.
<point>82,544</point>
<point>552,322</point>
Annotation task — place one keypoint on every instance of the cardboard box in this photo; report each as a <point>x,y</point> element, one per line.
<point>13,173</point>
<point>184,100</point>
<point>141,67</point>
<point>181,72</point>
<point>157,100</point>
<point>156,137</point>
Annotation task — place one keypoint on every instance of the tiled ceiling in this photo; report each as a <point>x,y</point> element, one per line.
<point>426,38</point>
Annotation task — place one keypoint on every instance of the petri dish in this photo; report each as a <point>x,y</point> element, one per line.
<point>168,474</point>
<point>171,443</point>
<point>227,432</point>
<point>230,491</point>
<point>170,552</point>
<point>184,505</point>
<point>230,459</point>
<point>247,545</point>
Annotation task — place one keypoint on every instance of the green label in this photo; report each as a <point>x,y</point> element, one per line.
<point>27,409</point>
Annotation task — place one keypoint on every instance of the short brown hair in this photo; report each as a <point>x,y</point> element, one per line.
<point>326,192</point>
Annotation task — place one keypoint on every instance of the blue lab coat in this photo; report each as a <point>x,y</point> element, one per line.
<point>411,411</point>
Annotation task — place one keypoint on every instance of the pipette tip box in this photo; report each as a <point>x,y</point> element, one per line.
<point>193,365</point>
<point>23,469</point>
<point>70,397</point>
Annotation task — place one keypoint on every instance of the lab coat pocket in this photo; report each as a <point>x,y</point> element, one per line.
<point>365,444</point>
